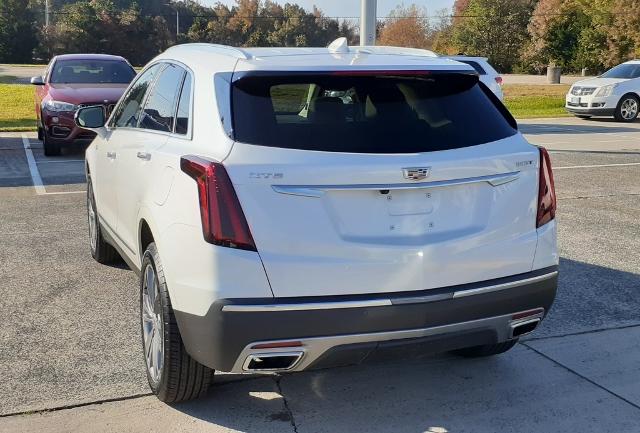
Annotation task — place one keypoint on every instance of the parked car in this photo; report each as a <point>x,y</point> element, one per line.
<point>488,75</point>
<point>71,81</point>
<point>615,93</point>
<point>296,208</point>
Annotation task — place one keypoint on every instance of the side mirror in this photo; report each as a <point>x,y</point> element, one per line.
<point>37,81</point>
<point>90,117</point>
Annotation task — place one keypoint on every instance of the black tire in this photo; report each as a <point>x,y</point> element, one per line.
<point>101,251</point>
<point>486,350</point>
<point>51,147</point>
<point>181,377</point>
<point>622,113</point>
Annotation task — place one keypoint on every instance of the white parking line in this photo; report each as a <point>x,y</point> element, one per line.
<point>33,168</point>
<point>38,185</point>
<point>597,165</point>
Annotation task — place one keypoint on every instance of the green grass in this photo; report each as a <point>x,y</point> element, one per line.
<point>531,100</point>
<point>17,113</point>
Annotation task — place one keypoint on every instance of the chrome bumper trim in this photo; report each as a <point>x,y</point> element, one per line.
<point>253,308</point>
<point>504,286</point>
<point>307,306</point>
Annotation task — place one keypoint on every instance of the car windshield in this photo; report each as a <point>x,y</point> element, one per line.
<point>92,71</point>
<point>623,71</point>
<point>367,112</point>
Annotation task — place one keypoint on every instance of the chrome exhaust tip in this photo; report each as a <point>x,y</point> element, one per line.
<point>273,361</point>
<point>519,329</point>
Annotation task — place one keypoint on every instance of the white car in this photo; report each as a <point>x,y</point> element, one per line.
<point>488,75</point>
<point>278,227</point>
<point>615,93</point>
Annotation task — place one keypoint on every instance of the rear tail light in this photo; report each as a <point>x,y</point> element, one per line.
<point>499,80</point>
<point>223,222</point>
<point>546,191</point>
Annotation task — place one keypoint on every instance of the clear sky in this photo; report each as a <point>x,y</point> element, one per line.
<point>351,8</point>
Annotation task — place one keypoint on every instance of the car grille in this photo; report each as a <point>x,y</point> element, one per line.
<point>109,107</point>
<point>582,91</point>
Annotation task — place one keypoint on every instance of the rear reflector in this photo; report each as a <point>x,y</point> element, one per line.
<point>279,344</point>
<point>527,313</point>
<point>547,202</point>
<point>499,80</point>
<point>223,222</point>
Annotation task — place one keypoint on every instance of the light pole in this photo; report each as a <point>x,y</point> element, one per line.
<point>368,22</point>
<point>46,13</point>
<point>177,20</point>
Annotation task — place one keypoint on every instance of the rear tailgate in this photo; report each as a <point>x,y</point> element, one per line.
<point>372,231</point>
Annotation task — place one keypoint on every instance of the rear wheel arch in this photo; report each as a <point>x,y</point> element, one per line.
<point>145,236</point>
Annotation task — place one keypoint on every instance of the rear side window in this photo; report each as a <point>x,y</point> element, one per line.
<point>366,113</point>
<point>184,106</point>
<point>160,108</point>
<point>475,65</point>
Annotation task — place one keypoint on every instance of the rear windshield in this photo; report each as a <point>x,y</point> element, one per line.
<point>628,70</point>
<point>367,112</point>
<point>92,72</point>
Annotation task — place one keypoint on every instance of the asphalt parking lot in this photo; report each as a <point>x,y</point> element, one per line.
<point>69,345</point>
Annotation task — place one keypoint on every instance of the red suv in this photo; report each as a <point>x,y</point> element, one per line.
<point>72,81</point>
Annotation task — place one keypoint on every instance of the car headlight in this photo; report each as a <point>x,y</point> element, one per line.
<point>606,90</point>
<point>57,106</point>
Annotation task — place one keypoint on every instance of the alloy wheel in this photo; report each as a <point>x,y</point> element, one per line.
<point>152,324</point>
<point>629,109</point>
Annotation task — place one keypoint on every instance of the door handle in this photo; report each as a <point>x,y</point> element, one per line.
<point>146,156</point>
<point>111,155</point>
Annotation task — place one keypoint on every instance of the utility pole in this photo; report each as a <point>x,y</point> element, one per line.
<point>368,22</point>
<point>46,13</point>
<point>177,19</point>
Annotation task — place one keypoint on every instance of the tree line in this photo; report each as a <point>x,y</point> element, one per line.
<point>528,35</point>
<point>516,35</point>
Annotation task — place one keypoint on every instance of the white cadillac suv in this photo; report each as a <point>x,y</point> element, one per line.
<point>615,93</point>
<point>296,208</point>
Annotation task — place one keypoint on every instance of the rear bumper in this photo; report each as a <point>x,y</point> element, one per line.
<point>341,330</point>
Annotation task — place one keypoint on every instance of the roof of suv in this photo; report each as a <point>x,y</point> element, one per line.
<point>334,57</point>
